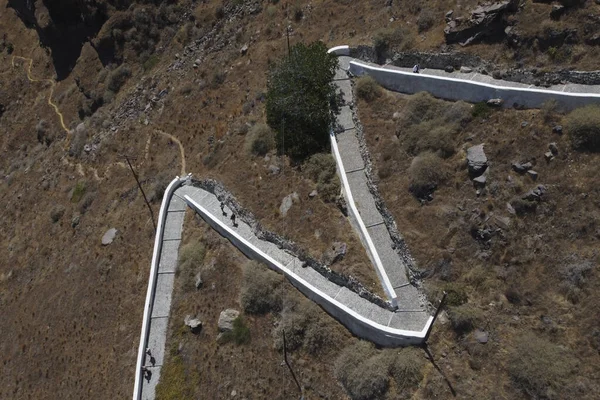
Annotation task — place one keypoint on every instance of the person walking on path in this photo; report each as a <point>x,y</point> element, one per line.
<point>223,209</point>
<point>233,220</point>
<point>416,68</point>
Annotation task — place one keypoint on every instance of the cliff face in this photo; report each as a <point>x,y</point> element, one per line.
<point>63,26</point>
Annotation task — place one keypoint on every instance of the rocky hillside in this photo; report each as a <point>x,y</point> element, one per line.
<point>178,86</point>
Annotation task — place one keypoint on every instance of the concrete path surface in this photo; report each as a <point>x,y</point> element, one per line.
<point>408,297</point>
<point>407,325</point>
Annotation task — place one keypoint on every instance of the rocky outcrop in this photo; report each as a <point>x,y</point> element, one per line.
<point>226,319</point>
<point>476,160</point>
<point>485,22</point>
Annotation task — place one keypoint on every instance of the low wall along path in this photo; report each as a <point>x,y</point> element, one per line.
<point>408,321</point>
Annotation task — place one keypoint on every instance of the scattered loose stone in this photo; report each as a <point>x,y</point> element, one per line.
<point>558,129</point>
<point>476,160</point>
<point>466,70</point>
<point>75,220</point>
<point>521,168</point>
<point>481,336</point>
<point>480,180</point>
<point>510,208</point>
<point>226,319</point>
<point>334,253</point>
<point>449,68</point>
<point>549,156</point>
<point>532,174</point>
<point>273,169</point>
<point>553,148</point>
<point>535,194</point>
<point>312,194</point>
<point>495,102</point>
<point>396,115</point>
<point>524,124</point>
<point>194,324</point>
<point>109,236</point>
<point>244,49</point>
<point>287,202</point>
<point>198,280</point>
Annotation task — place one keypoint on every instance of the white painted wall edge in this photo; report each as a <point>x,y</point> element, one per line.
<point>400,334</point>
<point>339,50</point>
<point>357,66</point>
<point>387,285</point>
<point>175,183</point>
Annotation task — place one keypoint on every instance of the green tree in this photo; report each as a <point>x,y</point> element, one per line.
<point>301,100</point>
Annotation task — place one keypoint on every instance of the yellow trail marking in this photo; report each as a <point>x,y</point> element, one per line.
<point>78,166</point>
<point>52,85</point>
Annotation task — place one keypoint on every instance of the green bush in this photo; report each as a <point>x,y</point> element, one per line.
<point>260,292</point>
<point>321,169</point>
<point>367,88</point>
<point>583,127</point>
<point>260,140</point>
<point>362,372</point>
<point>78,192</point>
<point>481,110</point>
<point>426,172</point>
<point>240,333</point>
<point>456,295</point>
<point>464,318</point>
<point>118,77</point>
<point>539,367</point>
<point>151,62</point>
<point>301,100</point>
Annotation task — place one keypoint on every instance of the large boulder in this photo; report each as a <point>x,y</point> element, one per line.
<point>485,21</point>
<point>476,160</point>
<point>226,319</point>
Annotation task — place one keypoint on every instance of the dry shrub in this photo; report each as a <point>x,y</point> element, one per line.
<point>191,258</point>
<point>539,367</point>
<point>574,276</point>
<point>425,20</point>
<point>464,318</point>
<point>426,173</point>
<point>260,289</point>
<point>362,371</point>
<point>583,126</point>
<point>407,368</point>
<point>388,40</point>
<point>260,140</point>
<point>367,88</point>
<point>421,107</point>
<point>431,136</point>
<point>321,169</point>
<point>306,326</point>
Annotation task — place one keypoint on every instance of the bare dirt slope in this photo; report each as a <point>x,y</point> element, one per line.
<point>71,307</point>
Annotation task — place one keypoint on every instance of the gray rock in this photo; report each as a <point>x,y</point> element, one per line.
<point>557,129</point>
<point>553,148</point>
<point>334,253</point>
<point>481,336</point>
<point>480,180</point>
<point>198,280</point>
<point>244,49</point>
<point>194,324</point>
<point>521,168</point>
<point>396,116</point>
<point>532,174</point>
<point>466,70</point>
<point>524,124</point>
<point>495,102</point>
<point>87,148</point>
<point>109,236</point>
<point>476,160</point>
<point>273,169</point>
<point>448,15</point>
<point>312,194</point>
<point>449,68</point>
<point>535,194</point>
<point>226,319</point>
<point>510,208</point>
<point>287,202</point>
<point>549,156</point>
<point>75,220</point>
